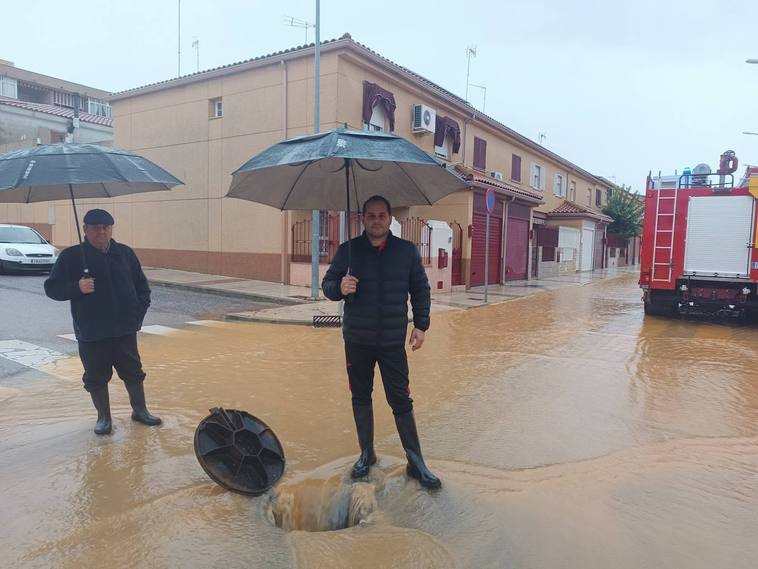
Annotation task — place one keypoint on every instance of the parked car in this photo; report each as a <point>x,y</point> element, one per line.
<point>23,249</point>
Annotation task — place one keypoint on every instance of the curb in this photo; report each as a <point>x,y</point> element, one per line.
<point>232,293</point>
<point>266,319</point>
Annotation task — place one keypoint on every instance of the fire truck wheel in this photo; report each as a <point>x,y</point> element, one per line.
<point>659,308</point>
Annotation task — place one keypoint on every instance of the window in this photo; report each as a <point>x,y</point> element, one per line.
<point>515,167</point>
<point>608,194</point>
<point>572,192</point>
<point>216,108</point>
<point>377,121</point>
<point>447,137</point>
<point>8,87</point>
<point>375,97</point>
<point>537,178</point>
<point>444,150</point>
<point>598,198</point>
<point>99,108</point>
<point>558,187</point>
<point>480,153</point>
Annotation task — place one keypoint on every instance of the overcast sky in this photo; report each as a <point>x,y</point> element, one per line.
<point>619,87</point>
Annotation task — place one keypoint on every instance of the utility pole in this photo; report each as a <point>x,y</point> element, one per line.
<point>316,214</point>
<point>179,39</point>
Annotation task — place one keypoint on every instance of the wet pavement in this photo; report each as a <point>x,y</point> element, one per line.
<point>569,431</point>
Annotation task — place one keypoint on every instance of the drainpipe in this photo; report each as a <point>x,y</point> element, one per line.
<point>286,215</point>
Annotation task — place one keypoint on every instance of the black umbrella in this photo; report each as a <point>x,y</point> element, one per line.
<point>335,169</point>
<point>62,171</point>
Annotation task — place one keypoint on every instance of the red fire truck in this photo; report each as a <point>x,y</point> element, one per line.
<point>699,242</point>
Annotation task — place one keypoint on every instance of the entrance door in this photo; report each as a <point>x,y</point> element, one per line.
<point>516,249</point>
<point>588,242</point>
<point>517,243</point>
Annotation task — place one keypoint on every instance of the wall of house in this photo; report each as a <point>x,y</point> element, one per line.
<point>175,128</point>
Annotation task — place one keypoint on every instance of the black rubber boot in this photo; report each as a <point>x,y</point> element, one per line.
<point>136,391</point>
<point>103,405</point>
<point>406,428</point>
<point>364,424</point>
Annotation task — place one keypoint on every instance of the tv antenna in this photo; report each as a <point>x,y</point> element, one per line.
<point>470,50</point>
<point>196,45</point>
<point>298,23</point>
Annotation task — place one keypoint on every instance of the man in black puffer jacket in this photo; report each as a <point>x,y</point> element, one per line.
<point>383,271</point>
<point>108,307</point>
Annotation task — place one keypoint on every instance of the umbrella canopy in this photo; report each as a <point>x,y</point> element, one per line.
<point>62,171</point>
<point>309,172</point>
<point>54,171</point>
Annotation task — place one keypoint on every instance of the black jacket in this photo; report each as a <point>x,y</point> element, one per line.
<point>121,297</point>
<point>377,315</point>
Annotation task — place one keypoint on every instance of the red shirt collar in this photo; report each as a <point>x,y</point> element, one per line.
<point>382,246</point>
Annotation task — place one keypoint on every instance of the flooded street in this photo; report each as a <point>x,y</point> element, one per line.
<point>568,431</point>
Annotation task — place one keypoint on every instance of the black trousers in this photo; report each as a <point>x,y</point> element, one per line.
<point>100,357</point>
<point>393,365</point>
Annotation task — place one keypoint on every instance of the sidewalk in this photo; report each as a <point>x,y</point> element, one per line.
<point>292,304</point>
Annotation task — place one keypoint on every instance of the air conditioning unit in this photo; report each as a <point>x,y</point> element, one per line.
<point>497,175</point>
<point>423,118</point>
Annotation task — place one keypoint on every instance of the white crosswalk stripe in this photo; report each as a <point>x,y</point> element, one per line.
<point>208,323</point>
<point>159,330</point>
<point>29,355</point>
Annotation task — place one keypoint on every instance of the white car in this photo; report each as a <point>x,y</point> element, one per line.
<point>23,249</point>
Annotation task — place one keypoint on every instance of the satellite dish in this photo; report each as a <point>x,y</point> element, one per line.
<point>701,169</point>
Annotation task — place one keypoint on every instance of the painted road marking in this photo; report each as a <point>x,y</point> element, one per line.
<point>67,337</point>
<point>209,323</point>
<point>28,355</point>
<point>158,330</point>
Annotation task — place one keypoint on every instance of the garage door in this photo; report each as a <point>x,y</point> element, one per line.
<point>478,248</point>
<point>588,246</point>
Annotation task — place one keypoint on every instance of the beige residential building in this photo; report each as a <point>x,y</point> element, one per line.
<point>203,126</point>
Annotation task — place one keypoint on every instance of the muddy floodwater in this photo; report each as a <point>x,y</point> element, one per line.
<point>569,432</point>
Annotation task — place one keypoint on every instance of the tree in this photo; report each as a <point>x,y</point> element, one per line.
<point>627,210</point>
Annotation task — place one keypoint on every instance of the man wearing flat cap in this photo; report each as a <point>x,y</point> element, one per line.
<point>108,305</point>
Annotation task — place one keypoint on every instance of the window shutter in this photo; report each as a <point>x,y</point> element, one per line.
<point>480,153</point>
<point>543,175</point>
<point>515,168</point>
<point>532,172</point>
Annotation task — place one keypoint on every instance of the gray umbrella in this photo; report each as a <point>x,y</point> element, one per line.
<point>341,168</point>
<point>62,171</point>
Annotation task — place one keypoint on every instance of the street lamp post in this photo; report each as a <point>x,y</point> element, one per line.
<point>316,214</point>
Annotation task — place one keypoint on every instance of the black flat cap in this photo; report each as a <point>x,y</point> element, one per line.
<point>98,217</point>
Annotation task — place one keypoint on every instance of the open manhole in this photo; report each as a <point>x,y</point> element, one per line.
<point>322,505</point>
<point>239,451</point>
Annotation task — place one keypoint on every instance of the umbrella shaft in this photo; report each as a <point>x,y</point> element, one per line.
<point>78,231</point>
